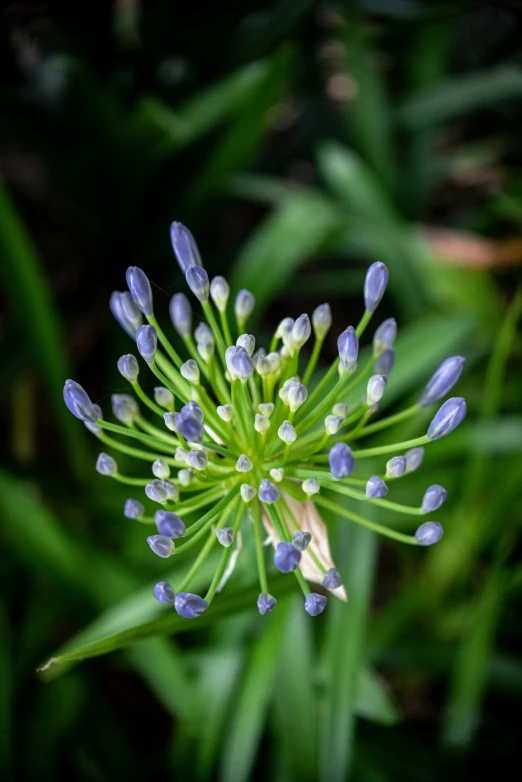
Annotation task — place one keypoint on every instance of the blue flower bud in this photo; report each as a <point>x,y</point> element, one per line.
<point>172,490</point>
<point>340,410</point>
<point>277,473</point>
<point>184,246</point>
<point>242,364</point>
<point>301,540</point>
<point>140,289</point>
<point>78,402</point>
<point>297,395</point>
<point>301,331</point>
<point>160,469</point>
<point>384,336</point>
<point>147,342</point>
<point>189,427</point>
<point>163,592</point>
<point>442,381</point>
<point>185,477</point>
<point>225,535</point>
<point>310,486</point>
<point>189,606</point>
<point>247,342</point>
<point>125,408</point>
<point>198,460</point>
<point>170,421</point>
<point>230,354</point>
<point>181,314</point>
<point>332,579</point>
<point>244,464</point>
<point>396,467</point>
<point>247,492</point>
<point>244,306</point>
<point>287,433</point>
<point>225,412</point>
<point>375,285</point>
<point>125,311</point>
<point>220,291</point>
<point>265,603</point>
<point>263,365</point>
<point>287,557</point>
<point>197,280</point>
<point>94,428</point>
<point>315,603</point>
<point>128,367</point>
<point>194,409</point>
<point>268,492</point>
<point>321,320</point>
<point>169,524</point>
<point>434,497</point>
<point>414,458</point>
<point>385,362</point>
<point>133,509</point>
<point>203,332</point>
<point>160,545</point>
<point>341,460</point>
<point>348,346</point>
<point>450,415</point>
<point>164,397</point>
<point>157,491</point>
<point>266,409</point>
<point>106,465</point>
<point>375,488</point>
<point>206,350</point>
<point>261,423</point>
<point>190,371</point>
<point>375,389</point>
<point>429,533</point>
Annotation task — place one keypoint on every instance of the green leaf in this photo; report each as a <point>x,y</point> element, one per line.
<point>372,701</point>
<point>33,309</point>
<point>251,703</point>
<point>460,96</point>
<point>289,237</point>
<point>7,681</point>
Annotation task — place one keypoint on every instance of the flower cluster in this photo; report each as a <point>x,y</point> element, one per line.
<point>239,438</point>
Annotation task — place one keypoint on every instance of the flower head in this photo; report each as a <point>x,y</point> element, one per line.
<point>235,438</point>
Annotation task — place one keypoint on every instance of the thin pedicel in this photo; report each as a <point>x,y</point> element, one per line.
<point>235,433</point>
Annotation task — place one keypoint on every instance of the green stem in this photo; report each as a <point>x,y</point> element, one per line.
<point>136,453</point>
<point>153,442</point>
<point>225,556</point>
<point>146,401</point>
<point>391,448</point>
<point>389,533</point>
<point>390,421</point>
<point>318,344</point>
<point>165,342</point>
<point>131,481</point>
<point>393,506</point>
<point>256,512</point>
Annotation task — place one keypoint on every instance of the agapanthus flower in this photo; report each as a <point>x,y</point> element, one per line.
<point>240,440</point>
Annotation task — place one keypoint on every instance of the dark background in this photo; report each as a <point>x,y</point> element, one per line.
<point>300,141</point>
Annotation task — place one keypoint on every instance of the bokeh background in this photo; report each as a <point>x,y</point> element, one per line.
<point>300,141</point>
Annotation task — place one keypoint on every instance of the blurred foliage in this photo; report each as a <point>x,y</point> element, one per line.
<point>299,141</point>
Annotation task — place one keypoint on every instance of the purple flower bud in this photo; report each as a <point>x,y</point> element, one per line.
<point>442,381</point>
<point>189,606</point>
<point>414,458</point>
<point>396,467</point>
<point>265,603</point>
<point>375,285</point>
<point>375,389</point>
<point>268,492</point>
<point>315,603</point>
<point>384,336</point>
<point>429,533</point>
<point>341,460</point>
<point>194,409</point>
<point>181,314</point>
<point>163,592</point>
<point>128,367</point>
<point>78,402</point>
<point>348,346</point>
<point>203,332</point>
<point>133,509</point>
<point>244,305</point>
<point>301,540</point>
<point>125,408</point>
<point>242,364</point>
<point>125,311</point>
<point>160,469</point>
<point>190,371</point>
<point>96,430</point>
<point>164,397</point>
<point>160,545</point>
<point>197,280</point>
<point>243,463</point>
<point>106,465</point>
<point>301,331</point>
<point>169,524</point>
<point>450,415</point>
<point>225,535</point>
<point>247,342</point>
<point>376,488</point>
<point>197,459</point>
<point>147,342</point>
<point>171,489</point>
<point>140,289</point>
<point>332,579</point>
<point>321,320</point>
<point>434,497</point>
<point>189,427</point>
<point>157,492</point>
<point>184,246</point>
<point>220,291</point>
<point>286,557</point>
<point>385,362</point>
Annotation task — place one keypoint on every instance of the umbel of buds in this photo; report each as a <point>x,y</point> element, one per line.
<point>236,436</point>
